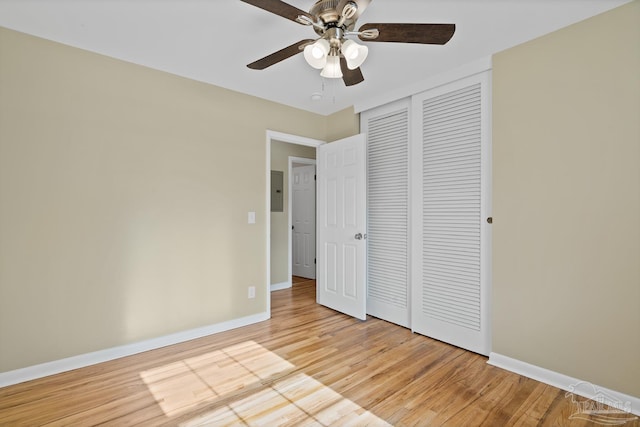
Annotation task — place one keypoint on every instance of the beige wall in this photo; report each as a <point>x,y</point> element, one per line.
<point>280,152</point>
<point>566,152</point>
<point>124,195</point>
<point>342,124</point>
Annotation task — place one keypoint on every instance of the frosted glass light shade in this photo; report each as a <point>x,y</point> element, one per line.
<point>332,69</point>
<point>354,54</point>
<point>316,54</point>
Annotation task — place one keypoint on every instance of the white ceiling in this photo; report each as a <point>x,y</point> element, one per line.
<point>213,40</point>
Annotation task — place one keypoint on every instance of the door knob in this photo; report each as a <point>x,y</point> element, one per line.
<point>360,236</point>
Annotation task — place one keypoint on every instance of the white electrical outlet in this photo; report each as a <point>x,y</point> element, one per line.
<point>251,218</point>
<point>252,291</point>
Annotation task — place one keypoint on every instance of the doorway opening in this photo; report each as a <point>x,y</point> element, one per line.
<point>279,255</point>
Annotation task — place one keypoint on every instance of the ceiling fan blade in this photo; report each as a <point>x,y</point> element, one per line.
<point>279,8</point>
<point>411,33</point>
<point>350,77</point>
<point>362,5</point>
<point>280,55</point>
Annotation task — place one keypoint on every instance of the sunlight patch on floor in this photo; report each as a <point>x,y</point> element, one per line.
<point>246,384</point>
<point>183,385</point>
<point>297,400</point>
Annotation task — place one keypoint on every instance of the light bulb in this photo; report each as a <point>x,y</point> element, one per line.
<point>354,54</point>
<point>316,54</point>
<point>332,69</point>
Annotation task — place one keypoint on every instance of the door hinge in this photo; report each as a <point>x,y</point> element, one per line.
<point>314,260</point>
<point>314,177</point>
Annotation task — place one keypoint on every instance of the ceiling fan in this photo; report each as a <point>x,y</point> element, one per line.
<point>333,20</point>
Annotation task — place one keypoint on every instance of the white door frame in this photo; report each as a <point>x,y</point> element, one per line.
<point>291,139</point>
<point>292,160</point>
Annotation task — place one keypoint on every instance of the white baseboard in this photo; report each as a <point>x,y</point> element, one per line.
<point>582,388</point>
<point>278,286</point>
<point>82,360</point>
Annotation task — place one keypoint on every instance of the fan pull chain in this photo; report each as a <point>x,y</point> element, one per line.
<point>333,91</point>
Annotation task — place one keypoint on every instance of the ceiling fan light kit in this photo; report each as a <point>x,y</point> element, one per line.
<point>325,54</point>
<point>333,20</point>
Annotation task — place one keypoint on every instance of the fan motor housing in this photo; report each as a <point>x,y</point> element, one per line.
<point>326,11</point>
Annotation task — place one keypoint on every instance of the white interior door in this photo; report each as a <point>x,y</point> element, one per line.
<point>341,170</point>
<point>452,247</point>
<point>387,128</point>
<point>303,214</point>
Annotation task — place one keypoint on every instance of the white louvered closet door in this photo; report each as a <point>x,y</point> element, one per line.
<point>452,176</point>
<point>387,130</point>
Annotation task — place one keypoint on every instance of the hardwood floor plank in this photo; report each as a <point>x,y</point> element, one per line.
<point>307,365</point>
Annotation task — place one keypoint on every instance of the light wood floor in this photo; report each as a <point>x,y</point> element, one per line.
<point>307,365</point>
